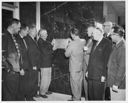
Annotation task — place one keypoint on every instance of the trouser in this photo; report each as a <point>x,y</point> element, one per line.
<point>23,86</point>
<point>32,83</point>
<point>10,86</point>
<point>116,96</point>
<point>85,82</point>
<point>76,84</point>
<point>45,79</point>
<point>107,94</point>
<point>96,90</point>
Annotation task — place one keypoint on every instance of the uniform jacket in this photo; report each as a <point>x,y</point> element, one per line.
<point>9,52</point>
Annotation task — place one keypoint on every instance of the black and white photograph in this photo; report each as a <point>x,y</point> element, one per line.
<point>63,50</point>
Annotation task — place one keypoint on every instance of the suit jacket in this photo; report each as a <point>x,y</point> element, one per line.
<point>97,66</point>
<point>46,53</point>
<point>33,52</point>
<point>116,66</point>
<point>9,52</point>
<point>108,36</point>
<point>24,62</point>
<point>76,55</point>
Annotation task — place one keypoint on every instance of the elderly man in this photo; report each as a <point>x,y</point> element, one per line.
<point>97,71</point>
<point>75,53</point>
<point>116,65</point>
<point>11,53</point>
<point>46,62</point>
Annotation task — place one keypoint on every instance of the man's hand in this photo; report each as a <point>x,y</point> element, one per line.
<point>34,68</point>
<point>103,79</point>
<point>54,48</point>
<point>86,74</point>
<point>85,48</point>
<point>53,42</point>
<point>115,88</point>
<point>22,72</point>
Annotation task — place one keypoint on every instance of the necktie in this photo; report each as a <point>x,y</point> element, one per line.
<point>94,46</point>
<point>25,44</point>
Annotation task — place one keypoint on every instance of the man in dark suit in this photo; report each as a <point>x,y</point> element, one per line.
<point>11,54</point>
<point>24,63</point>
<point>34,58</point>
<point>97,71</point>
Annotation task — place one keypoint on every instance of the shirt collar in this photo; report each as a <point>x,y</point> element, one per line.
<point>108,34</point>
<point>120,43</point>
<point>21,35</point>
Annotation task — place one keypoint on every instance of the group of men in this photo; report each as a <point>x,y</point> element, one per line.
<point>22,59</point>
<point>99,62</point>
<point>101,65</point>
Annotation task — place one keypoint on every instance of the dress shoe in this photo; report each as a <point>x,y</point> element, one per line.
<point>48,92</point>
<point>30,99</point>
<point>70,100</point>
<point>37,96</point>
<point>43,96</point>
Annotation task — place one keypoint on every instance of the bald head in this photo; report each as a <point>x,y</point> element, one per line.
<point>43,34</point>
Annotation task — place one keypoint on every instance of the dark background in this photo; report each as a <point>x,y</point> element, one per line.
<point>58,18</point>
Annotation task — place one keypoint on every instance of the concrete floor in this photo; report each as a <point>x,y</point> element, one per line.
<point>56,97</point>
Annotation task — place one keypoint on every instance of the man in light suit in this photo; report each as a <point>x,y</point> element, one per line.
<point>97,65</point>
<point>75,53</point>
<point>116,65</point>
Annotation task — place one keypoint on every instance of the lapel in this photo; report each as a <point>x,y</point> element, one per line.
<point>99,47</point>
<point>10,37</point>
<point>21,42</point>
<point>33,41</point>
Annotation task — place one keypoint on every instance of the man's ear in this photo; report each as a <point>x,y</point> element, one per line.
<point>13,25</point>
